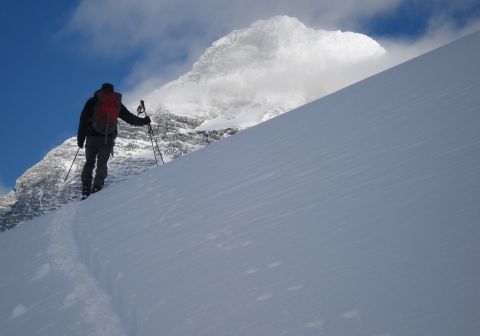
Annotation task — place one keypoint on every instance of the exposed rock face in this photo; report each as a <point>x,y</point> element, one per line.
<point>42,187</point>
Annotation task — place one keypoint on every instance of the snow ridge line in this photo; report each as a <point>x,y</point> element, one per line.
<point>65,258</point>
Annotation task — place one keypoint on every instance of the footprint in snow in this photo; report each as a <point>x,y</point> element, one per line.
<point>265,297</point>
<point>275,264</point>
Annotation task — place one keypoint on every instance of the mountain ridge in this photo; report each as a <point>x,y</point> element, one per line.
<point>202,106</point>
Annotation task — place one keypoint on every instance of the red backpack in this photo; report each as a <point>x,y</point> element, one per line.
<point>106,112</point>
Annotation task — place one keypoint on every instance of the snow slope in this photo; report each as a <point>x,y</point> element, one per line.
<point>354,215</point>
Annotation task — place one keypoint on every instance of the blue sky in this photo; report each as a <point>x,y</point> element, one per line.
<point>45,81</point>
<point>55,54</point>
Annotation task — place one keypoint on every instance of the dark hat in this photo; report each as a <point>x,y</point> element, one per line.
<point>107,86</point>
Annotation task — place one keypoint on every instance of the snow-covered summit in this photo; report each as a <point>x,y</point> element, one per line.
<point>256,73</point>
<point>281,41</point>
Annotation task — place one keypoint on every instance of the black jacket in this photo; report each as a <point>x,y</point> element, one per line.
<point>85,126</point>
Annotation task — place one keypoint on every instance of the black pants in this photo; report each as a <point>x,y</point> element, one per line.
<point>97,148</point>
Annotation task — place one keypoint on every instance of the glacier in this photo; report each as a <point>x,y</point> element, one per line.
<point>356,214</point>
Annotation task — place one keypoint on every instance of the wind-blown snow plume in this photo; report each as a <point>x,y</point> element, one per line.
<point>271,67</point>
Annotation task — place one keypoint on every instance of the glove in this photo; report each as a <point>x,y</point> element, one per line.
<point>80,142</point>
<point>147,120</point>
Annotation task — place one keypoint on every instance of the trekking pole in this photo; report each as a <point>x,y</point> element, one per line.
<point>72,164</point>
<point>150,130</point>
<point>141,109</point>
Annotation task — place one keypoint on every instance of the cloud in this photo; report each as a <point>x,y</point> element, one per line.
<point>4,190</point>
<point>167,36</point>
<point>441,29</point>
<point>118,26</point>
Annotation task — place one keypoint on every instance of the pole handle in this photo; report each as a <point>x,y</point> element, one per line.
<point>141,109</point>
